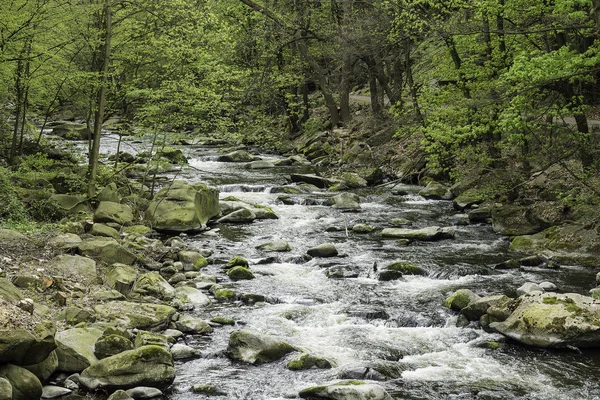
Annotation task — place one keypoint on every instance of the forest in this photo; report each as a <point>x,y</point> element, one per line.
<point>320,199</point>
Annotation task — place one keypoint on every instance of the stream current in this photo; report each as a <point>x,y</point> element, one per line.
<point>398,328</point>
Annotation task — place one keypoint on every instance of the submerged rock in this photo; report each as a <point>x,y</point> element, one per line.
<point>397,269</point>
<point>346,390</point>
<point>553,320</point>
<point>255,348</point>
<point>323,250</point>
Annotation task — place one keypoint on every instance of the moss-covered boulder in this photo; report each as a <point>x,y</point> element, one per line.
<point>241,216</point>
<point>318,181</point>
<point>75,268</point>
<point>276,246</point>
<point>468,199</point>
<point>104,231</point>
<point>240,273</point>
<point>121,277</point>
<point>254,348</point>
<point>362,228</point>
<point>75,348</point>
<point>106,250</point>
<point>323,250</point>
<point>346,390</point>
<point>193,325</point>
<point>72,131</point>
<point>436,191</point>
<point>9,292</point>
<point>110,345</point>
<point>516,220</point>
<point>569,243</point>
<point>181,207</point>
<point>192,296</point>
<point>553,320</point>
<point>346,201</point>
<point>70,204</point>
<point>109,211</point>
<point>153,284</point>
<point>461,299</point>
<point>235,262</point>
<point>6,392</point>
<point>236,156</point>
<point>22,347</point>
<point>476,309</point>
<point>397,269</point>
<point>150,366</point>
<point>25,385</point>
<point>135,315</point>
<point>44,369</point>
<point>65,241</point>
<point>431,233</point>
<point>224,294</point>
<point>308,361</point>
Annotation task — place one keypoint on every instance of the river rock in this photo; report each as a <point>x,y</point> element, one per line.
<point>9,292</point>
<point>75,268</point>
<point>461,299</point>
<point>323,250</point>
<point>277,245</point>
<point>346,390</point>
<point>436,191</point>
<point>74,315</point>
<point>143,392</point>
<point>468,199</point>
<point>174,156</point>
<point>121,277</point>
<point>254,348</point>
<point>6,392</point>
<point>45,369</point>
<point>106,250</point>
<point>427,234</point>
<point>52,392</point>
<point>236,261</point>
<point>135,315</point>
<point>352,180</point>
<point>260,164</point>
<point>346,201</point>
<point>529,287</point>
<point>120,395</point>
<point>480,215</point>
<point>153,284</point>
<point>75,348</point>
<point>193,325</point>
<point>71,131</point>
<point>146,366</point>
<point>25,385</point>
<point>243,215</point>
<point>110,345</point>
<point>181,207</point>
<point>514,220</point>
<point>110,192</point>
<point>145,338</point>
<point>397,269</point>
<point>553,320</point>
<point>240,273</point>
<point>479,307</point>
<point>192,296</point>
<point>307,361</point>
<point>236,156</point>
<point>316,180</point>
<point>183,352</point>
<point>548,286</point>
<point>117,213</point>
<point>21,347</point>
<point>362,228</point>
<point>343,272</point>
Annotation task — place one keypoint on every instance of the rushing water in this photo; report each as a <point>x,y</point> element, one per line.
<point>398,328</point>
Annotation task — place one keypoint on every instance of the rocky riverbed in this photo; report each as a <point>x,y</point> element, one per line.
<point>246,277</point>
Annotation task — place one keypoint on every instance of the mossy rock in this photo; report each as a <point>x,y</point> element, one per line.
<point>224,294</point>
<point>276,246</point>
<point>236,261</point>
<point>153,284</point>
<point>111,345</point>
<point>308,361</point>
<point>240,273</point>
<point>25,385</point>
<point>223,321</point>
<point>460,299</point>
<point>135,315</point>
<point>9,292</point>
<point>150,366</point>
<point>397,269</point>
<point>107,251</point>
<point>355,390</point>
<point>109,211</point>
<point>255,348</point>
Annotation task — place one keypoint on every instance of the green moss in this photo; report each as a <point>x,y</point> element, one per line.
<point>236,261</point>
<point>240,273</point>
<point>224,294</point>
<point>223,321</point>
<point>550,300</point>
<point>200,263</point>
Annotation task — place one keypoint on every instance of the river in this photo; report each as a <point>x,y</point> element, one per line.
<point>398,329</point>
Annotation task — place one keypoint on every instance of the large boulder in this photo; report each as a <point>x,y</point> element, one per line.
<point>150,366</point>
<point>21,347</point>
<point>426,234</point>
<point>346,390</point>
<point>9,292</point>
<point>135,315</point>
<point>553,320</point>
<point>6,392</point>
<point>153,284</point>
<point>121,277</point>
<point>436,191</point>
<point>346,201</point>
<point>106,250</point>
<point>316,180</point>
<point>569,243</point>
<point>193,325</point>
<point>182,207</point>
<point>461,299</point>
<point>45,369</point>
<point>255,348</point>
<point>515,220</point>
<point>72,131</point>
<point>70,204</point>
<point>191,296</point>
<point>75,348</point>
<point>25,385</point>
<point>237,156</point>
<point>75,268</point>
<point>323,250</point>
<point>109,211</point>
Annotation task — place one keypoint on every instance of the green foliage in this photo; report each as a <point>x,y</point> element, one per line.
<point>12,211</point>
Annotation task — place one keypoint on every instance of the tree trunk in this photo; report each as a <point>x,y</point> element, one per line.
<point>101,100</point>
<point>376,106</point>
<point>411,84</point>
<point>345,115</point>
